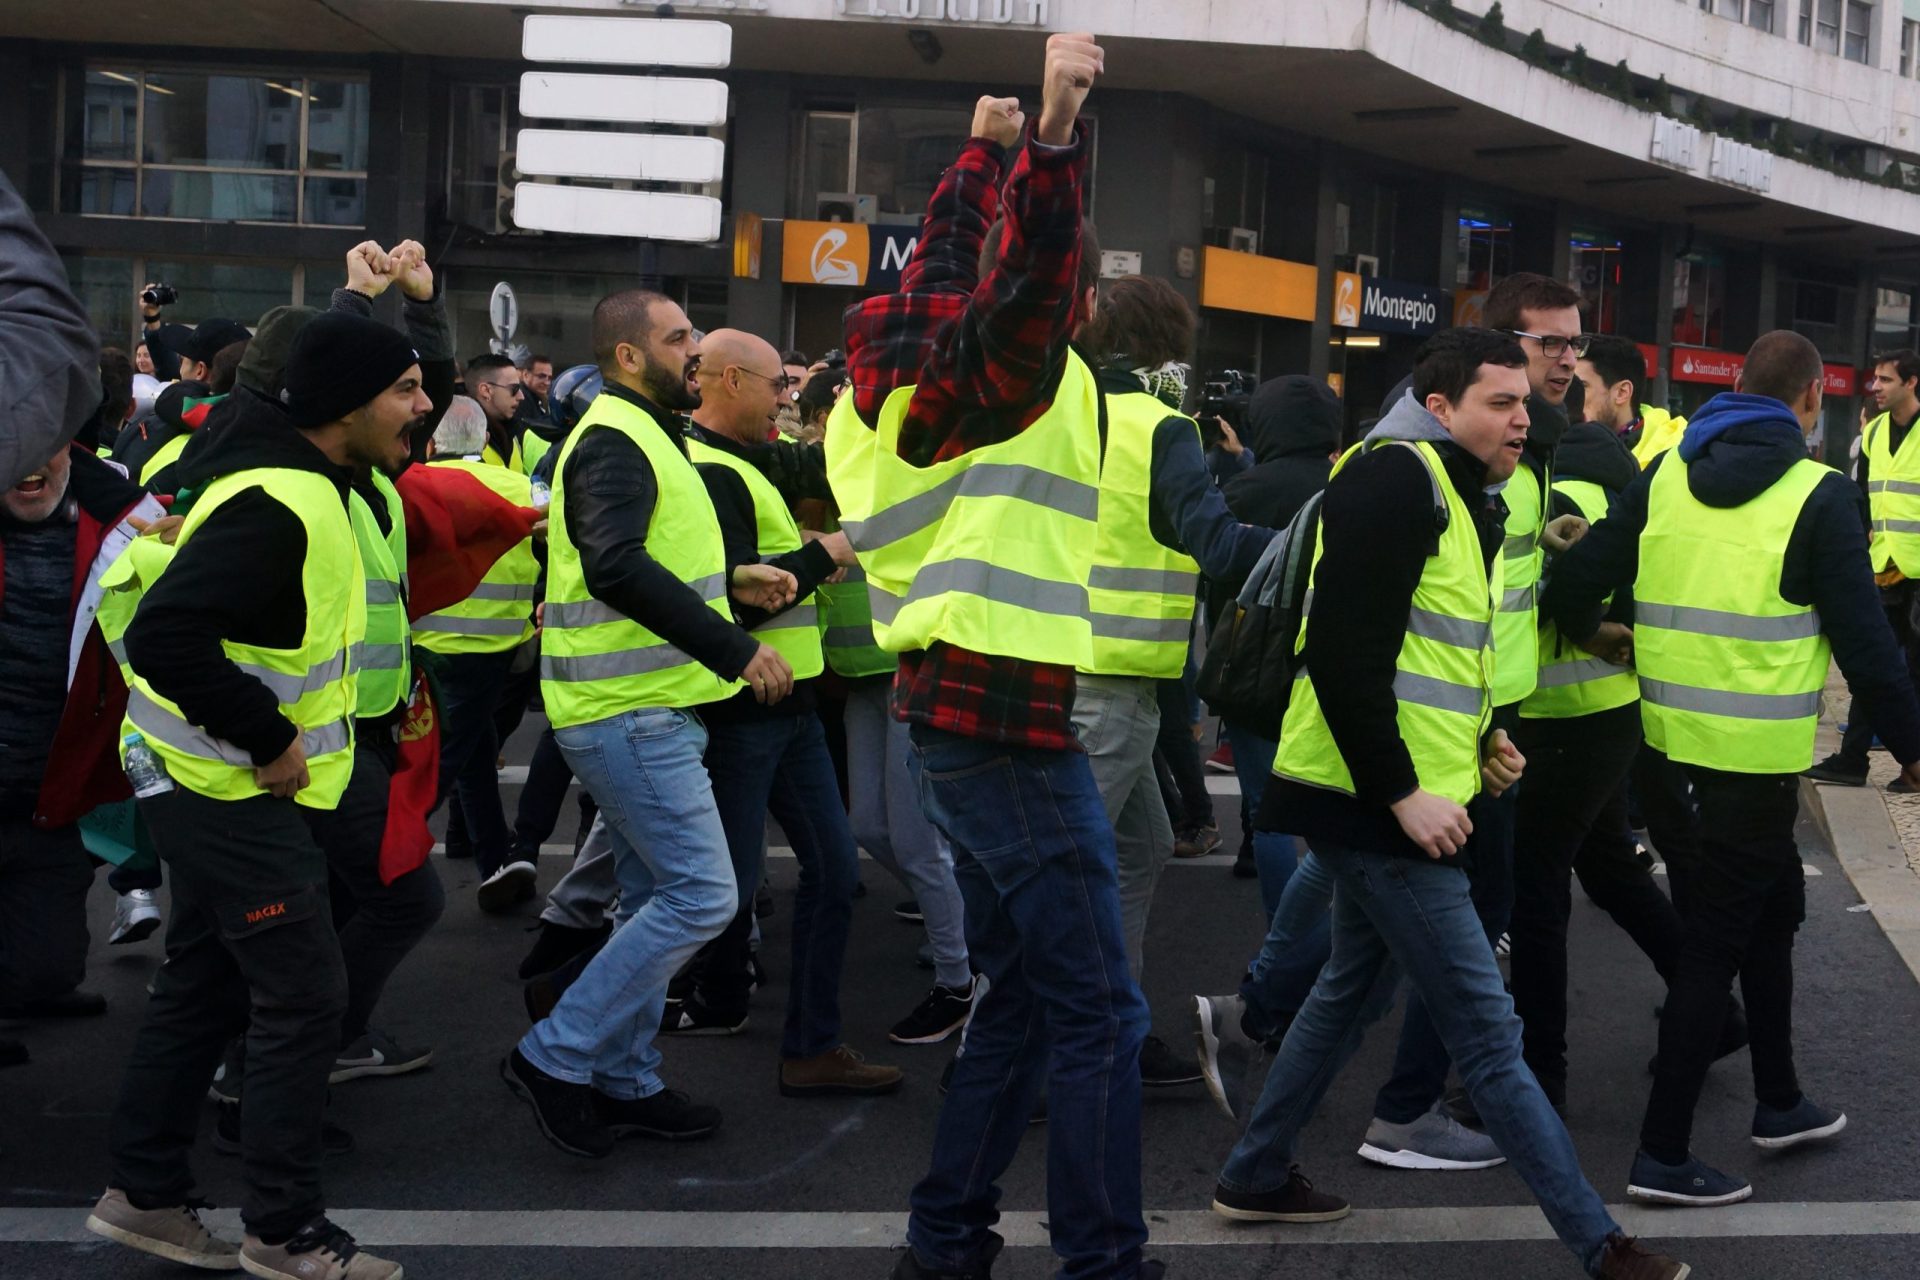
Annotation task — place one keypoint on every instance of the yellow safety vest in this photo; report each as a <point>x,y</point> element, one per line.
<point>314,683</point>
<point>1730,671</point>
<point>1893,497</point>
<point>515,461</point>
<point>123,584</point>
<point>596,662</point>
<point>384,662</point>
<point>846,628</point>
<point>1442,677</point>
<point>794,633</point>
<point>1572,681</point>
<point>1516,628</point>
<point>989,552</point>
<point>165,456</point>
<point>1659,432</point>
<point>1140,591</point>
<point>498,616</point>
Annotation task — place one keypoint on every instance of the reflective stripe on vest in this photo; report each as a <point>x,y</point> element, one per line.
<point>498,615</point>
<point>793,633</point>
<point>314,684</point>
<point>1140,592</point>
<point>1730,671</point>
<point>596,662</point>
<point>1443,672</point>
<point>165,456</point>
<point>384,660</point>
<point>990,551</point>
<point>1572,683</point>
<point>1516,639</point>
<point>1893,496</point>
<point>846,628</point>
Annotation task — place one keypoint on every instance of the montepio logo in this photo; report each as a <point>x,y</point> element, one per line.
<point>831,263</point>
<point>268,912</point>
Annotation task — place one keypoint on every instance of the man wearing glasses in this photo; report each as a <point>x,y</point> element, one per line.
<point>495,382</point>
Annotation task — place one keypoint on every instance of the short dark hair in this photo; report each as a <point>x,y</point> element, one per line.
<point>539,359</point>
<point>1143,320</point>
<point>1905,362</point>
<point>626,316</point>
<point>490,362</point>
<point>1089,277</point>
<point>116,385</point>
<point>1450,361</point>
<point>1618,360</point>
<point>1527,291</point>
<point>1781,365</point>
<point>818,396</point>
<point>225,367</point>
<point>795,357</point>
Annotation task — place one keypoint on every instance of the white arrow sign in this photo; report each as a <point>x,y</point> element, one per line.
<point>596,211</point>
<point>650,157</point>
<point>638,42</point>
<point>567,95</point>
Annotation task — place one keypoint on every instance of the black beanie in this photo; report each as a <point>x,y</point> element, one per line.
<point>340,362</point>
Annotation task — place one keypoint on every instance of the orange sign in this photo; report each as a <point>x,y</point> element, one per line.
<point>1347,289</point>
<point>749,232</point>
<point>824,252</point>
<point>1265,286</point>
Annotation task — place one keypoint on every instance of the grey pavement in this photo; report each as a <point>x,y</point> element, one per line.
<point>451,1171</point>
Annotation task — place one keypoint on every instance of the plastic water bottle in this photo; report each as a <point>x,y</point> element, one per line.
<point>144,770</point>
<point>542,493</point>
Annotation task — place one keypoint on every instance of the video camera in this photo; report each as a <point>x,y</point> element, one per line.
<point>1224,396</point>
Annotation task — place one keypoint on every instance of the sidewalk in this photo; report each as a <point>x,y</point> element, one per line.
<point>1875,836</point>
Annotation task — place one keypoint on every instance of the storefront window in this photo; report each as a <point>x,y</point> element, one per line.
<point>216,147</point>
<point>476,146</point>
<point>1822,312</point>
<point>1595,271</point>
<point>105,287</point>
<point>1699,299</point>
<point>1485,249</point>
<point>226,290</point>
<point>1894,325</point>
<point>556,310</point>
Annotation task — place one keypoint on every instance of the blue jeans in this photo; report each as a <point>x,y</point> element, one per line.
<point>1034,857</point>
<point>1393,914</point>
<point>676,892</point>
<point>1296,948</point>
<point>1274,854</point>
<point>780,765</point>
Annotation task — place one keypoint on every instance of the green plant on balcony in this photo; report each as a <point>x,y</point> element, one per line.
<point>1493,27</point>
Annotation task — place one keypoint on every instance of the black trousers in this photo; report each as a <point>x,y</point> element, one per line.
<point>378,923</point>
<point>1747,899</point>
<point>1572,821</point>
<point>1899,601</point>
<point>250,948</point>
<point>44,878</point>
<point>1672,814</point>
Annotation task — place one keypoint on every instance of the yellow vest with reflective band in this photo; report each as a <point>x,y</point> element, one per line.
<point>528,452</point>
<point>846,628</point>
<point>121,587</point>
<point>499,613</point>
<point>1442,677</point>
<point>1572,681</point>
<point>516,460</point>
<point>596,662</point>
<point>314,683</point>
<point>1140,592</point>
<point>794,633</point>
<point>1516,628</point>
<point>852,463</point>
<point>384,663</point>
<point>1659,432</point>
<point>164,456</point>
<point>1730,671</point>
<point>990,551</point>
<point>1893,497</point>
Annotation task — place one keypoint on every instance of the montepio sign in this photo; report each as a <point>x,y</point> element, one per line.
<point>1388,306</point>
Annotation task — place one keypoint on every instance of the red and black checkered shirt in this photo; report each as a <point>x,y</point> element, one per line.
<point>984,357</point>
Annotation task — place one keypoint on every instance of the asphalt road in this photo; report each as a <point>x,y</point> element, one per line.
<point>451,1177</point>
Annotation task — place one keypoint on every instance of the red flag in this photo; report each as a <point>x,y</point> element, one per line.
<point>413,787</point>
<point>456,528</point>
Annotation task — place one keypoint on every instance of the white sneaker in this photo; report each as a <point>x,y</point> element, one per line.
<point>506,887</point>
<point>135,916</point>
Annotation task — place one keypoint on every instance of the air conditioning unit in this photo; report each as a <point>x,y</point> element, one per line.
<point>845,206</point>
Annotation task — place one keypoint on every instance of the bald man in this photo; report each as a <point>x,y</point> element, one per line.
<point>773,758</point>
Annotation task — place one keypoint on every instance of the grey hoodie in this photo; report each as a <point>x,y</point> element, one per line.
<point>49,354</point>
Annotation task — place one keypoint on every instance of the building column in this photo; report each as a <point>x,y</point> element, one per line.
<point>760,142</point>
<point>1320,344</point>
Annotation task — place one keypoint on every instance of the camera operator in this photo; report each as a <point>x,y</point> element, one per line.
<point>163,337</point>
<point>1222,415</point>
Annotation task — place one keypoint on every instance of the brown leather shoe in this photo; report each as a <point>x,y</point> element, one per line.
<point>1627,1259</point>
<point>837,1071</point>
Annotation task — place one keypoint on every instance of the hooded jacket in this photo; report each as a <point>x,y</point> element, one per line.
<point>238,578</point>
<point>1377,532</point>
<point>179,408</point>
<point>1735,448</point>
<point>50,379</point>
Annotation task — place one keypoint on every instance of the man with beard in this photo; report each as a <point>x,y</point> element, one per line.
<point>239,726</point>
<point>638,633</point>
<point>59,721</point>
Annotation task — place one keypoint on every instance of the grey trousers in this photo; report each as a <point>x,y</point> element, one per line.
<point>581,898</point>
<point>1117,719</point>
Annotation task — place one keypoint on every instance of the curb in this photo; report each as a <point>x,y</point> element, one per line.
<point>1860,833</point>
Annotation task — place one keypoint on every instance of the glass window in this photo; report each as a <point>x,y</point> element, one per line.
<point>901,153</point>
<point>1699,298</point>
<point>1485,249</point>
<point>1760,14</point>
<point>1822,313</point>
<point>105,287</point>
<point>476,145</point>
<point>556,309</point>
<point>167,143</point>
<point>826,158</point>
<point>1907,29</point>
<point>1893,318</point>
<point>223,290</point>
<point>1858,30</point>
<point>1595,272</point>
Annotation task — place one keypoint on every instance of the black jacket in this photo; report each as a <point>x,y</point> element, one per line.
<point>1826,562</point>
<point>237,578</point>
<point>140,439</point>
<point>610,492</point>
<point>1377,533</point>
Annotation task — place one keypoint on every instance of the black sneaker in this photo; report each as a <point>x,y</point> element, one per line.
<point>909,911</point>
<point>559,943</point>
<point>1244,868</point>
<point>981,1268</point>
<point>1806,1121</point>
<point>668,1114</point>
<point>1297,1201</point>
<point>943,1012</point>
<point>565,1112</point>
<point>1162,1068</point>
<point>692,1018</point>
<point>1693,1184</point>
<point>334,1140</point>
<point>1839,771</point>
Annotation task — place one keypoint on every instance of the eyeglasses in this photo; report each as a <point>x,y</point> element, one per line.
<point>511,388</point>
<point>781,383</point>
<point>1553,346</point>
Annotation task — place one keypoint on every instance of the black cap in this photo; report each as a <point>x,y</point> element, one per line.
<point>340,362</point>
<point>209,338</point>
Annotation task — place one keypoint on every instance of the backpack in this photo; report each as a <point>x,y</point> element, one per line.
<point>1251,660</point>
